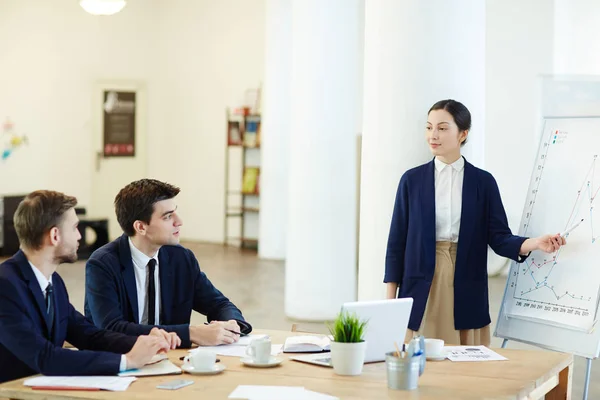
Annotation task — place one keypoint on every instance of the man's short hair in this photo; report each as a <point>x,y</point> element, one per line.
<point>39,212</point>
<point>136,201</point>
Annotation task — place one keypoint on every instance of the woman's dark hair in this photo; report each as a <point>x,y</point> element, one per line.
<point>460,113</point>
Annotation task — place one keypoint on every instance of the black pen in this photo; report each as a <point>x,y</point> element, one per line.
<point>183,358</point>
<point>229,330</point>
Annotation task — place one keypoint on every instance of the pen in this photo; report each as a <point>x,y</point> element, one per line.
<point>571,228</point>
<point>183,357</point>
<point>229,330</point>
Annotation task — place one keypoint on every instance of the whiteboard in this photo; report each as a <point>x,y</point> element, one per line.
<point>551,300</point>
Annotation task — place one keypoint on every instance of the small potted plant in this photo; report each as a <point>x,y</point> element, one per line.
<point>348,346</point>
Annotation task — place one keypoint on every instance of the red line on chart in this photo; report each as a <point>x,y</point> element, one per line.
<point>533,263</point>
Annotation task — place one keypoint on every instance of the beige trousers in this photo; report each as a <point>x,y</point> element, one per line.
<point>438,320</point>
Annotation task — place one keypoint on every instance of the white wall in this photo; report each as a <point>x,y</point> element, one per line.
<point>212,51</point>
<point>50,54</point>
<point>577,48</point>
<point>197,57</point>
<point>519,47</point>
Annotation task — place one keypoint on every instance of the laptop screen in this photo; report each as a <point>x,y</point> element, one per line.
<point>387,323</point>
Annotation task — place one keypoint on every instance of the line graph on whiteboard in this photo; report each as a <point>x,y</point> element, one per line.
<point>562,288</point>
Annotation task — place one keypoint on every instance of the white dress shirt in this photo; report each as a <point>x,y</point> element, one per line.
<point>448,199</point>
<point>44,285</point>
<point>140,267</point>
<point>41,279</point>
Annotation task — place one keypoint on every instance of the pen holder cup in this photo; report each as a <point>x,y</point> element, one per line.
<point>402,373</point>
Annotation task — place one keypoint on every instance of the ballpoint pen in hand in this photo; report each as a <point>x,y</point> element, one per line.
<point>571,228</point>
<point>229,330</point>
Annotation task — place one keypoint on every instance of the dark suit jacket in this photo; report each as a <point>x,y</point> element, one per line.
<point>111,294</point>
<point>27,348</point>
<point>410,258</point>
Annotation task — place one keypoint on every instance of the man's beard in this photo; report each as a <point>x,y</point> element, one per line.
<point>66,258</point>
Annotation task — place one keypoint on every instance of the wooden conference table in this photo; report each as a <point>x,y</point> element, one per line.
<point>528,374</point>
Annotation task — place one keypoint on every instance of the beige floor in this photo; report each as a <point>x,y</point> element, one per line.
<point>256,287</point>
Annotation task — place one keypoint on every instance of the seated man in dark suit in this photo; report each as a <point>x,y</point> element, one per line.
<point>36,317</point>
<point>145,278</point>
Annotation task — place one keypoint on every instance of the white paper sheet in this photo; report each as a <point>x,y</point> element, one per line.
<point>245,340</point>
<point>113,383</point>
<point>237,351</point>
<point>472,353</point>
<point>251,392</point>
<point>310,395</point>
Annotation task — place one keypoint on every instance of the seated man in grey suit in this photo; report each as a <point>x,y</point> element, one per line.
<point>145,279</point>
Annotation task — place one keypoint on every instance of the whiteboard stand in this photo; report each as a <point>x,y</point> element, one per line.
<point>588,373</point>
<point>586,385</point>
<point>569,107</point>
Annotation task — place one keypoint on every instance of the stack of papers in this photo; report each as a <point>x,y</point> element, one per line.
<point>250,392</point>
<point>472,353</point>
<point>113,383</point>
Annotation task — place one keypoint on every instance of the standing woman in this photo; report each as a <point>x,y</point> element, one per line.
<point>446,214</point>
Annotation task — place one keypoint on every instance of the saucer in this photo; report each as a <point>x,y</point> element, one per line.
<point>273,361</point>
<point>438,357</point>
<point>217,368</point>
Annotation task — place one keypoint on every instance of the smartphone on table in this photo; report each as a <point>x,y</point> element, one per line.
<point>175,384</point>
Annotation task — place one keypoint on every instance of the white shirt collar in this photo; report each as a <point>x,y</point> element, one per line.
<point>458,165</point>
<point>140,258</point>
<point>41,278</point>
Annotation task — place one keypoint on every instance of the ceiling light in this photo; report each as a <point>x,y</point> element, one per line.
<point>102,7</point>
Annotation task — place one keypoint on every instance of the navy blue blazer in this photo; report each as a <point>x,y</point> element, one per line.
<point>26,345</point>
<point>111,293</point>
<point>410,258</point>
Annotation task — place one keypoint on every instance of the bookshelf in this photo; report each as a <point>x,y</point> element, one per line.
<point>242,178</point>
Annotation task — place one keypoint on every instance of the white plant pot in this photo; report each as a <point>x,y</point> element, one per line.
<point>348,358</point>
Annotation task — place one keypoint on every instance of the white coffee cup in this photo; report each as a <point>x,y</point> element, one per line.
<point>260,350</point>
<point>201,360</point>
<point>434,347</point>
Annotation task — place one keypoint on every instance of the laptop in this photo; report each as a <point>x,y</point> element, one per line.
<point>387,323</point>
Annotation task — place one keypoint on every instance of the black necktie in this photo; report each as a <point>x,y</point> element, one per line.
<point>50,306</point>
<point>151,292</point>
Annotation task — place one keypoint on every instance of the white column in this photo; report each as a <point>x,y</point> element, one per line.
<point>577,48</point>
<point>321,241</point>
<point>416,53</point>
<point>275,131</point>
<point>515,58</point>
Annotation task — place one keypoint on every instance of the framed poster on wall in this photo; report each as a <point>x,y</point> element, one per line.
<point>118,121</point>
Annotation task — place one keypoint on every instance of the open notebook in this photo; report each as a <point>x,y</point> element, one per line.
<point>306,344</point>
